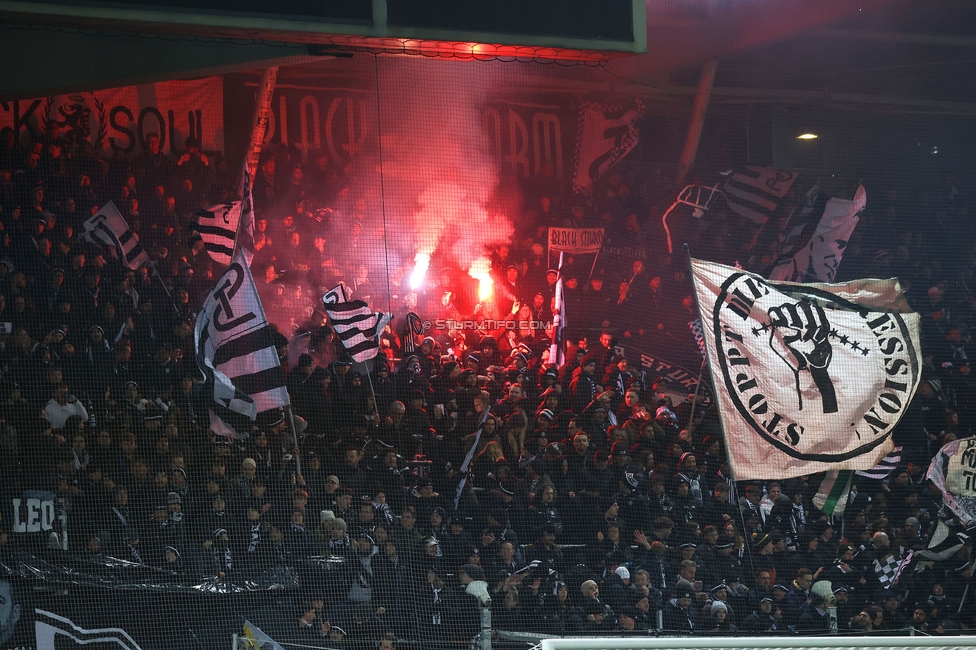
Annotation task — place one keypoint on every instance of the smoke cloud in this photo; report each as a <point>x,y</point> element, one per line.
<point>440,174</point>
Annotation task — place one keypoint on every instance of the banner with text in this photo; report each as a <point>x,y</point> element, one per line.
<point>813,377</point>
<point>575,240</point>
<point>119,119</point>
<point>953,471</point>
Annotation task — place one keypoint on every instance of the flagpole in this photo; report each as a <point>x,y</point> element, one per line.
<point>294,434</point>
<point>742,517</point>
<point>369,379</point>
<point>466,465</point>
<point>694,293</point>
<point>259,123</point>
<point>701,372</point>
<point>557,310</point>
<point>152,264</point>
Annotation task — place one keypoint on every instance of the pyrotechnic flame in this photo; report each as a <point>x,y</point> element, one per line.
<point>422,262</point>
<point>480,271</point>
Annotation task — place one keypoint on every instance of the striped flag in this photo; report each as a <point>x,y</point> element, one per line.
<point>943,544</point>
<point>235,348</point>
<point>466,464</point>
<point>217,227</point>
<point>225,225</point>
<point>355,324</point>
<point>756,192</point>
<point>109,228</point>
<point>832,495</point>
<point>884,468</point>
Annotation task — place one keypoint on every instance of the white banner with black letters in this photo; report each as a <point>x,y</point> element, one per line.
<point>809,377</point>
<point>953,471</point>
<point>575,240</point>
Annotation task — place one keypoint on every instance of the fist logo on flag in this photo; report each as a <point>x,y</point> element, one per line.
<point>810,377</point>
<point>799,335</point>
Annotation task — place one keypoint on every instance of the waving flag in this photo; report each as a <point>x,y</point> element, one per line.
<point>814,377</point>
<point>819,258</point>
<point>756,192</point>
<point>832,495</point>
<point>953,471</point>
<point>254,639</point>
<point>109,228</point>
<point>224,226</point>
<point>217,227</point>
<point>884,468</point>
<point>355,324</point>
<point>235,347</point>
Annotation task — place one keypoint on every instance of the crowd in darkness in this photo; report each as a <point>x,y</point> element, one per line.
<point>595,500</point>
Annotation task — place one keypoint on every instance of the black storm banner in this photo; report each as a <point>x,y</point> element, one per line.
<point>808,377</point>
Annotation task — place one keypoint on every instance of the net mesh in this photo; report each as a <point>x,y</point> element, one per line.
<point>597,499</point>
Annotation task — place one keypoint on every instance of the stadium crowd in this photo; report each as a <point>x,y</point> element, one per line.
<point>596,502</point>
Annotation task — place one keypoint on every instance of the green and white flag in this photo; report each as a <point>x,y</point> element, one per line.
<point>834,490</point>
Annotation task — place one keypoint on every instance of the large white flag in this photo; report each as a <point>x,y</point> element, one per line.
<point>235,345</point>
<point>109,228</point>
<point>819,259</point>
<point>811,377</point>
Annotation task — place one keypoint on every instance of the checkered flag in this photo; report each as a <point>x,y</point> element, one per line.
<point>891,569</point>
<point>699,334</point>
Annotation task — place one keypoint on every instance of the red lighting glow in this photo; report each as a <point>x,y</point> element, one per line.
<point>480,271</point>
<point>422,263</point>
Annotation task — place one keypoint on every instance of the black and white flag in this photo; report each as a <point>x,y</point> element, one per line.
<point>813,377</point>
<point>52,631</point>
<point>757,192</point>
<point>819,259</point>
<point>884,468</point>
<point>889,569</point>
<point>235,346</point>
<point>953,471</point>
<point>221,227</point>
<point>108,228</point>
<point>217,227</point>
<point>696,330</point>
<point>355,324</point>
